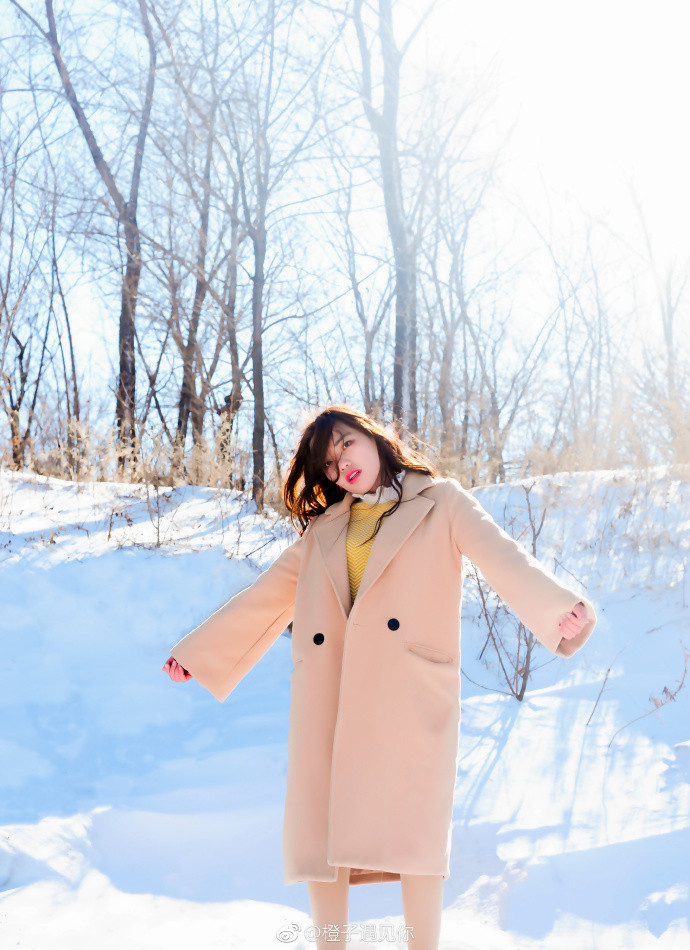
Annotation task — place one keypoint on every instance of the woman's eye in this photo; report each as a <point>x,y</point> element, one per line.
<point>327,465</point>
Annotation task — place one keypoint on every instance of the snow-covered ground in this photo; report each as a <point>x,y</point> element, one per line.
<point>139,812</point>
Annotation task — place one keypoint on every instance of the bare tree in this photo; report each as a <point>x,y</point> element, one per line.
<point>365,271</point>
<point>449,197</point>
<point>514,658</point>
<point>270,128</point>
<point>663,385</point>
<point>24,324</point>
<point>194,55</point>
<point>384,124</point>
<point>126,212</point>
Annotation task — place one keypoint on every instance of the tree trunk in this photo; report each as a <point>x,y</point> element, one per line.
<point>126,383</point>
<point>385,125</point>
<point>188,399</point>
<point>125,401</point>
<point>234,401</point>
<point>258,476</point>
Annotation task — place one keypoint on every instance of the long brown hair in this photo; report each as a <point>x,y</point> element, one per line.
<point>317,492</point>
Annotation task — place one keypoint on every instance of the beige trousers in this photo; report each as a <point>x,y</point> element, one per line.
<point>422,899</point>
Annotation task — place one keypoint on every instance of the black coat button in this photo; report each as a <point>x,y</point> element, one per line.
<point>318,638</point>
<point>393,624</point>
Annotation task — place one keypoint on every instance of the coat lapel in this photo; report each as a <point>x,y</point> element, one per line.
<point>331,531</point>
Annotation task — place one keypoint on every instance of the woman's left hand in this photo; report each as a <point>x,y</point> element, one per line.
<point>571,624</point>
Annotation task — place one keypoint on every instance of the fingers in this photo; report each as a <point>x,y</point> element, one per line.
<point>568,631</point>
<point>181,674</point>
<point>176,671</point>
<point>571,624</point>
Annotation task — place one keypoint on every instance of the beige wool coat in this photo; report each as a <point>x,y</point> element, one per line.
<point>375,690</point>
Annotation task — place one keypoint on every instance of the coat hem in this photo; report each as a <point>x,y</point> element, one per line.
<point>366,875</point>
<point>382,875</point>
<point>372,876</point>
<point>361,876</point>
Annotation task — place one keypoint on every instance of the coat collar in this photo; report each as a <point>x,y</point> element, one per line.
<point>331,530</point>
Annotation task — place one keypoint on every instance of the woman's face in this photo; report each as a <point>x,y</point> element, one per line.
<point>352,459</point>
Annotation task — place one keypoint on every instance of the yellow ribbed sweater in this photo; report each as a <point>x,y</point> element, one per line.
<point>363,518</point>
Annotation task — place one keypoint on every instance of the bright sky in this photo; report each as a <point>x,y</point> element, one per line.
<point>601,89</point>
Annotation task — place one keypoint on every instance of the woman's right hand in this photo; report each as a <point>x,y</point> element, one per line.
<point>175,671</point>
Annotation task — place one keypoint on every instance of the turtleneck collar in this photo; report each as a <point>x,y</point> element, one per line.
<point>382,493</point>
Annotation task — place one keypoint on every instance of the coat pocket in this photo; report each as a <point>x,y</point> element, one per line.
<point>430,692</point>
<point>429,653</point>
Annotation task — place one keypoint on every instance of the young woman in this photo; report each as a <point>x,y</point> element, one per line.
<point>373,587</point>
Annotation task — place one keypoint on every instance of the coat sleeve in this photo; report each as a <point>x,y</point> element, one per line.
<point>222,649</point>
<point>535,594</point>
